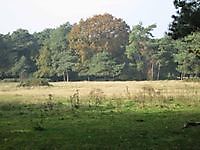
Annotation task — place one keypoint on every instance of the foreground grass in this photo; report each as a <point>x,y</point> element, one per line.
<point>143,120</point>
<point>107,126</point>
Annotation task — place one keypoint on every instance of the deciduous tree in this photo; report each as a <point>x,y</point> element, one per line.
<point>97,34</point>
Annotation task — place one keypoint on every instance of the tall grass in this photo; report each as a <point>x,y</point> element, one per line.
<point>132,90</point>
<point>100,115</point>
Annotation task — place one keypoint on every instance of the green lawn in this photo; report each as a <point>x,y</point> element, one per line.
<point>113,124</point>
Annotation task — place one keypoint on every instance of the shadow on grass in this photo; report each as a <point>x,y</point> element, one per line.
<point>104,127</point>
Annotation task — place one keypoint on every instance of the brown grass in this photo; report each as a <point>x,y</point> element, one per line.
<point>110,89</point>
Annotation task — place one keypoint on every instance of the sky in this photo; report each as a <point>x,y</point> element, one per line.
<point>36,15</point>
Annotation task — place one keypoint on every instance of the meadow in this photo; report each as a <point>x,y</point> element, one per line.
<point>100,115</point>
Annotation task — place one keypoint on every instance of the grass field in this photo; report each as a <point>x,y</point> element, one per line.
<point>100,115</point>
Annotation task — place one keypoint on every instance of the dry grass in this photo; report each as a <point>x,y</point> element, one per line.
<point>111,89</point>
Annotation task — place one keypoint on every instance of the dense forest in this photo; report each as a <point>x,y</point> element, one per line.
<point>104,47</point>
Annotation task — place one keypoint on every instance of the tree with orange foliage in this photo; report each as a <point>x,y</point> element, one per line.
<point>97,34</point>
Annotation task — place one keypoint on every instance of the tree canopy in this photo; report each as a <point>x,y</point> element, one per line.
<point>140,49</point>
<point>186,20</point>
<point>188,63</point>
<point>97,34</point>
<point>104,48</point>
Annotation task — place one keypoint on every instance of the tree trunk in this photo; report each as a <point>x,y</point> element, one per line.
<point>197,75</point>
<point>67,76</point>
<point>152,71</point>
<point>148,71</point>
<point>158,74</point>
<point>64,76</point>
<point>181,76</point>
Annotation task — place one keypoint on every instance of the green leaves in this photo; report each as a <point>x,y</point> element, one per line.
<point>188,56</point>
<point>102,65</point>
<point>65,62</point>
<point>44,63</point>
<point>55,56</point>
<point>102,47</point>
<point>186,20</point>
<point>17,50</point>
<point>20,66</point>
<point>140,49</point>
<point>194,40</point>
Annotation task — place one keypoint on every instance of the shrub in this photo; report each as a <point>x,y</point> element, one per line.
<point>192,80</point>
<point>75,100</point>
<point>34,82</point>
<point>10,80</point>
<point>97,95</point>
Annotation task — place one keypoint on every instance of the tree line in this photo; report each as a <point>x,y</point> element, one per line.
<point>104,47</point>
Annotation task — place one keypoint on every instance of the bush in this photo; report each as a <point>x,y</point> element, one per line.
<point>10,80</point>
<point>34,82</point>
<point>192,80</point>
<point>97,95</point>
